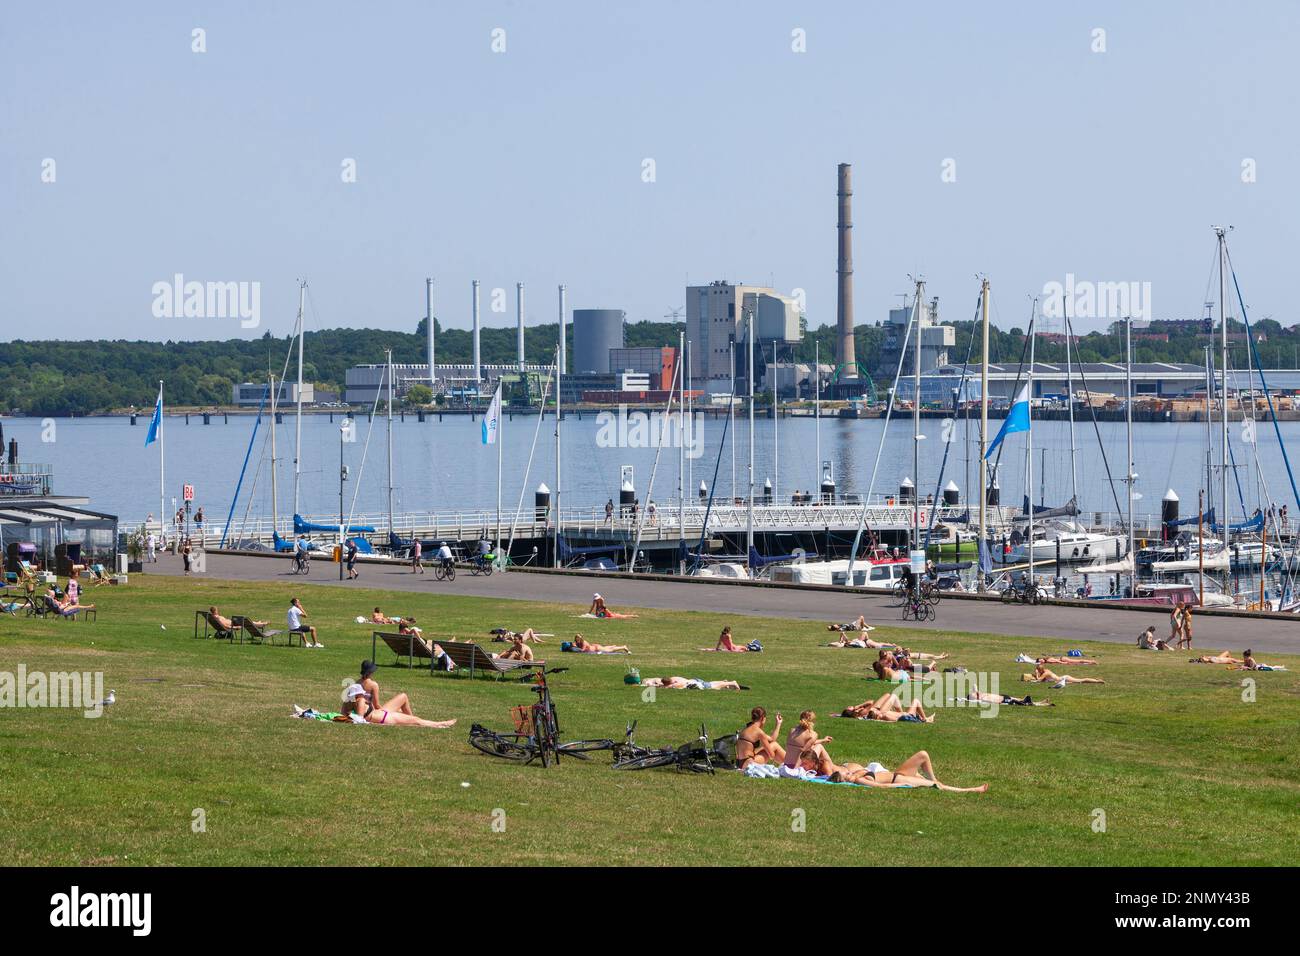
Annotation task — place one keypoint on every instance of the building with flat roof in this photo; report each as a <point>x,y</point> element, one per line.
<point>251,393</point>
<point>715,314</point>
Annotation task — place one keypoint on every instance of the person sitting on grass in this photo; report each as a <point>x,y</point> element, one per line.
<point>1148,641</point>
<point>1223,657</point>
<point>379,617</point>
<point>396,712</point>
<point>987,697</point>
<point>754,745</point>
<point>398,706</point>
<point>584,646</point>
<point>725,643</point>
<point>1042,675</point>
<point>296,613</point>
<point>802,737</point>
<point>890,709</point>
<point>917,771</point>
<point>600,609</point>
<point>691,683</point>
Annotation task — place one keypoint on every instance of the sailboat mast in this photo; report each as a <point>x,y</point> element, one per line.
<point>749,526</point>
<point>297,445</point>
<point>731,416</point>
<point>681,456</point>
<point>559,372</point>
<point>1224,519</point>
<point>275,496</point>
<point>917,306</point>
<point>776,427</point>
<point>389,376</point>
<point>1209,428</point>
<point>1069,404</point>
<point>984,426</point>
<point>1029,487</point>
<point>817,411</point>
<point>1130,477</point>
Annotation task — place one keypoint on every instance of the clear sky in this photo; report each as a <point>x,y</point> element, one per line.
<point>528,164</point>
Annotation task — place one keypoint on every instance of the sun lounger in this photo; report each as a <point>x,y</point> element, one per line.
<point>409,646</point>
<point>472,658</point>
<point>221,633</point>
<point>52,608</point>
<point>255,632</point>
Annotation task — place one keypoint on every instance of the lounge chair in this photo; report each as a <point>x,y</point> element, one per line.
<point>99,575</point>
<point>256,633</point>
<point>472,658</point>
<point>51,607</point>
<point>221,633</point>
<point>409,646</point>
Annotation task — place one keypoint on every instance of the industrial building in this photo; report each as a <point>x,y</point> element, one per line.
<point>715,317</point>
<point>365,382</point>
<point>252,393</point>
<point>936,339</point>
<point>595,333</point>
<point>658,364</point>
<point>1150,379</point>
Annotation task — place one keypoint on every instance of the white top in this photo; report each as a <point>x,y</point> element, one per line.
<point>445,553</point>
<point>295,617</point>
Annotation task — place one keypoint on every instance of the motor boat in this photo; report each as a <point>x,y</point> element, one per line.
<point>1074,544</point>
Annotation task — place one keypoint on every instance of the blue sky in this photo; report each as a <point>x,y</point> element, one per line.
<point>526,165</point>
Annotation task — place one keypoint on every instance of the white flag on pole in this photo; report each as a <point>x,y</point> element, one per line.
<point>492,420</point>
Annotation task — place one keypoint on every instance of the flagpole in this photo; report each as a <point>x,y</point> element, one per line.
<point>497,435</point>
<point>162,464</point>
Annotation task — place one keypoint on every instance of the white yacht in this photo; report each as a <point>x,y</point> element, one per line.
<point>1077,544</point>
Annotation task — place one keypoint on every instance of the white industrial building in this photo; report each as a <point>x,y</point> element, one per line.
<point>715,314</point>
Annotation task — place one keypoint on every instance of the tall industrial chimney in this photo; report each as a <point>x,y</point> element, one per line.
<point>844,354</point>
<point>563,347</point>
<point>478,367</point>
<point>519,312</point>
<point>428,320</point>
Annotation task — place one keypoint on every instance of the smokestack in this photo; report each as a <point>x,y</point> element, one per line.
<point>844,355</point>
<point>519,312</point>
<point>564,368</point>
<point>478,367</point>
<point>428,322</point>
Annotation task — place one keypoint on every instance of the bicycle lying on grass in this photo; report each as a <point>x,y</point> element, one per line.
<point>697,756</point>
<point>537,730</point>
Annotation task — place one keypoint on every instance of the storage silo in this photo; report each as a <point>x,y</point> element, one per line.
<point>595,332</point>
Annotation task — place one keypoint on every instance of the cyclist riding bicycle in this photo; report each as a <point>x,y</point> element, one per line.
<point>300,553</point>
<point>444,554</point>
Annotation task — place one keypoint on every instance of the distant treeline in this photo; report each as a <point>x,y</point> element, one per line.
<point>82,378</point>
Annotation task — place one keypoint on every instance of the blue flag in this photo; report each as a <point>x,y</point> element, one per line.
<point>156,422</point>
<point>1017,420</point>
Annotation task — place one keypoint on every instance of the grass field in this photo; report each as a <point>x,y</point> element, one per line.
<point>1184,770</point>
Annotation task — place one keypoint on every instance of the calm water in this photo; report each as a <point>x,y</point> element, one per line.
<point>443,466</point>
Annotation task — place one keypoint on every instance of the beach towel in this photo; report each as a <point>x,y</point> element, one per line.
<point>762,770</point>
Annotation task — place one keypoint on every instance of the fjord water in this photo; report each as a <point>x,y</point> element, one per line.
<point>442,465</point>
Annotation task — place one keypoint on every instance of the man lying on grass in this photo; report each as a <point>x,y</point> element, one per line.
<point>859,625</point>
<point>1042,675</point>
<point>690,683</point>
<point>860,641</point>
<point>584,646</point>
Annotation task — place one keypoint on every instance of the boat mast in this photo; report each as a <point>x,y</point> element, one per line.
<point>749,528</point>
<point>1209,429</point>
<point>984,427</point>
<point>297,446</point>
<point>1131,477</point>
<point>1069,403</point>
<point>776,427</point>
<point>917,306</point>
<point>1029,488</point>
<point>559,371</point>
<point>389,376</point>
<point>731,415</point>
<point>275,497</point>
<point>817,412</point>
<point>681,458</point>
<point>1223,391</point>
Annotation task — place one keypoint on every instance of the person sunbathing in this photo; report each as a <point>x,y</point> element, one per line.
<point>1042,675</point>
<point>1223,657</point>
<point>407,626</point>
<point>887,668</point>
<point>219,620</point>
<point>802,737</point>
<point>916,771</point>
<point>987,697</point>
<point>379,617</point>
<point>860,641</point>
<point>725,643</point>
<point>691,683</point>
<point>518,651</point>
<point>585,646</point>
<point>859,625</point>
<point>396,712</point>
<point>1065,660</point>
<point>529,636</point>
<point>67,605</point>
<point>903,652</point>
<point>1249,663</point>
<point>754,745</point>
<point>600,609</point>
<point>890,709</point>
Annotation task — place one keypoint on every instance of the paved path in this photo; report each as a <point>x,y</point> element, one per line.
<point>1068,623</point>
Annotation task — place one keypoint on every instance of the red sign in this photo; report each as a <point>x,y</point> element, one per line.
<point>189,493</point>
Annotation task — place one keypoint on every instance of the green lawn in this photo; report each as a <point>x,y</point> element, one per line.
<point>1184,770</point>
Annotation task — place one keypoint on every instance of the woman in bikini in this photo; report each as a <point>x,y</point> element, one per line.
<point>1223,657</point>
<point>1176,624</point>
<point>1065,660</point>
<point>916,771</point>
<point>1042,675</point>
<point>580,643</point>
<point>397,710</point>
<point>755,745</point>
<point>861,640</point>
<point>725,643</point>
<point>890,709</point>
<point>802,737</point>
<point>1186,640</point>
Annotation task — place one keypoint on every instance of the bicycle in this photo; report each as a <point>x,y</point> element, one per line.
<point>1031,593</point>
<point>536,730</point>
<point>918,608</point>
<point>444,570</point>
<point>698,756</point>
<point>300,563</point>
<point>482,564</point>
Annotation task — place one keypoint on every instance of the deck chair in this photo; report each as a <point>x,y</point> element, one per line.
<point>409,646</point>
<point>219,632</point>
<point>99,575</point>
<point>54,609</point>
<point>256,633</point>
<point>472,658</point>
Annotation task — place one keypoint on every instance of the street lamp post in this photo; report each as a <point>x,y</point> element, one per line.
<point>343,476</point>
